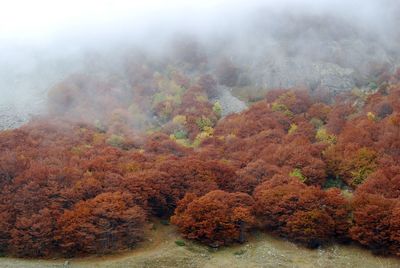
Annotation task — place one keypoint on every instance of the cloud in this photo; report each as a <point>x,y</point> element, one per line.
<point>45,39</point>
<point>46,21</point>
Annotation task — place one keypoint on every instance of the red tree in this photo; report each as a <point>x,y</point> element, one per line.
<point>217,218</point>
<point>305,214</point>
<point>101,224</point>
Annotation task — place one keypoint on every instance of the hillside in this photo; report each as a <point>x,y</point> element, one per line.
<point>259,135</point>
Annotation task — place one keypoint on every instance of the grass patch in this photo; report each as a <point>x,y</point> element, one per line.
<point>180,243</point>
<point>239,252</point>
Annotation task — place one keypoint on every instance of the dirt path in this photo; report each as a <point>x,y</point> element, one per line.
<point>261,251</point>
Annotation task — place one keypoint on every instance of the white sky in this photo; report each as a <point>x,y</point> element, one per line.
<point>41,21</point>
<point>63,27</point>
<point>44,18</point>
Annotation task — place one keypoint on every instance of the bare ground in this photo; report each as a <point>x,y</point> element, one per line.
<point>262,250</point>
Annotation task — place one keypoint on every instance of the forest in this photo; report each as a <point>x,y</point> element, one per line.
<point>107,159</point>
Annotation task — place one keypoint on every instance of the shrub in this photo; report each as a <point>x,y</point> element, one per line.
<point>217,108</point>
<point>293,128</point>
<point>203,122</point>
<point>350,164</point>
<point>116,140</point>
<point>179,120</point>
<point>323,135</point>
<point>312,228</point>
<point>102,224</point>
<point>278,107</point>
<point>206,133</point>
<point>371,222</point>
<point>305,214</point>
<point>180,134</point>
<point>217,218</point>
<point>35,235</point>
<point>297,173</point>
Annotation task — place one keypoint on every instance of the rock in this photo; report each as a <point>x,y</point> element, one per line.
<point>13,114</point>
<point>292,72</point>
<point>229,103</point>
<point>10,117</point>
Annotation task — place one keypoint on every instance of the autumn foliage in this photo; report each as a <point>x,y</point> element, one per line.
<point>217,218</point>
<point>101,224</point>
<point>302,213</point>
<point>90,176</point>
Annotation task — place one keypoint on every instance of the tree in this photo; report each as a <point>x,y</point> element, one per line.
<point>5,226</point>
<point>312,228</point>
<point>371,222</point>
<point>217,218</point>
<point>384,182</point>
<point>100,225</point>
<point>298,154</point>
<point>350,162</point>
<point>34,236</point>
<point>305,214</point>
<point>395,230</point>
<point>188,175</point>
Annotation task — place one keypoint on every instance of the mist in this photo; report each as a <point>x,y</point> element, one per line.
<point>166,131</point>
<point>336,45</point>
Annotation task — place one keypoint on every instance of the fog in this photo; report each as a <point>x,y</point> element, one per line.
<point>335,44</point>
